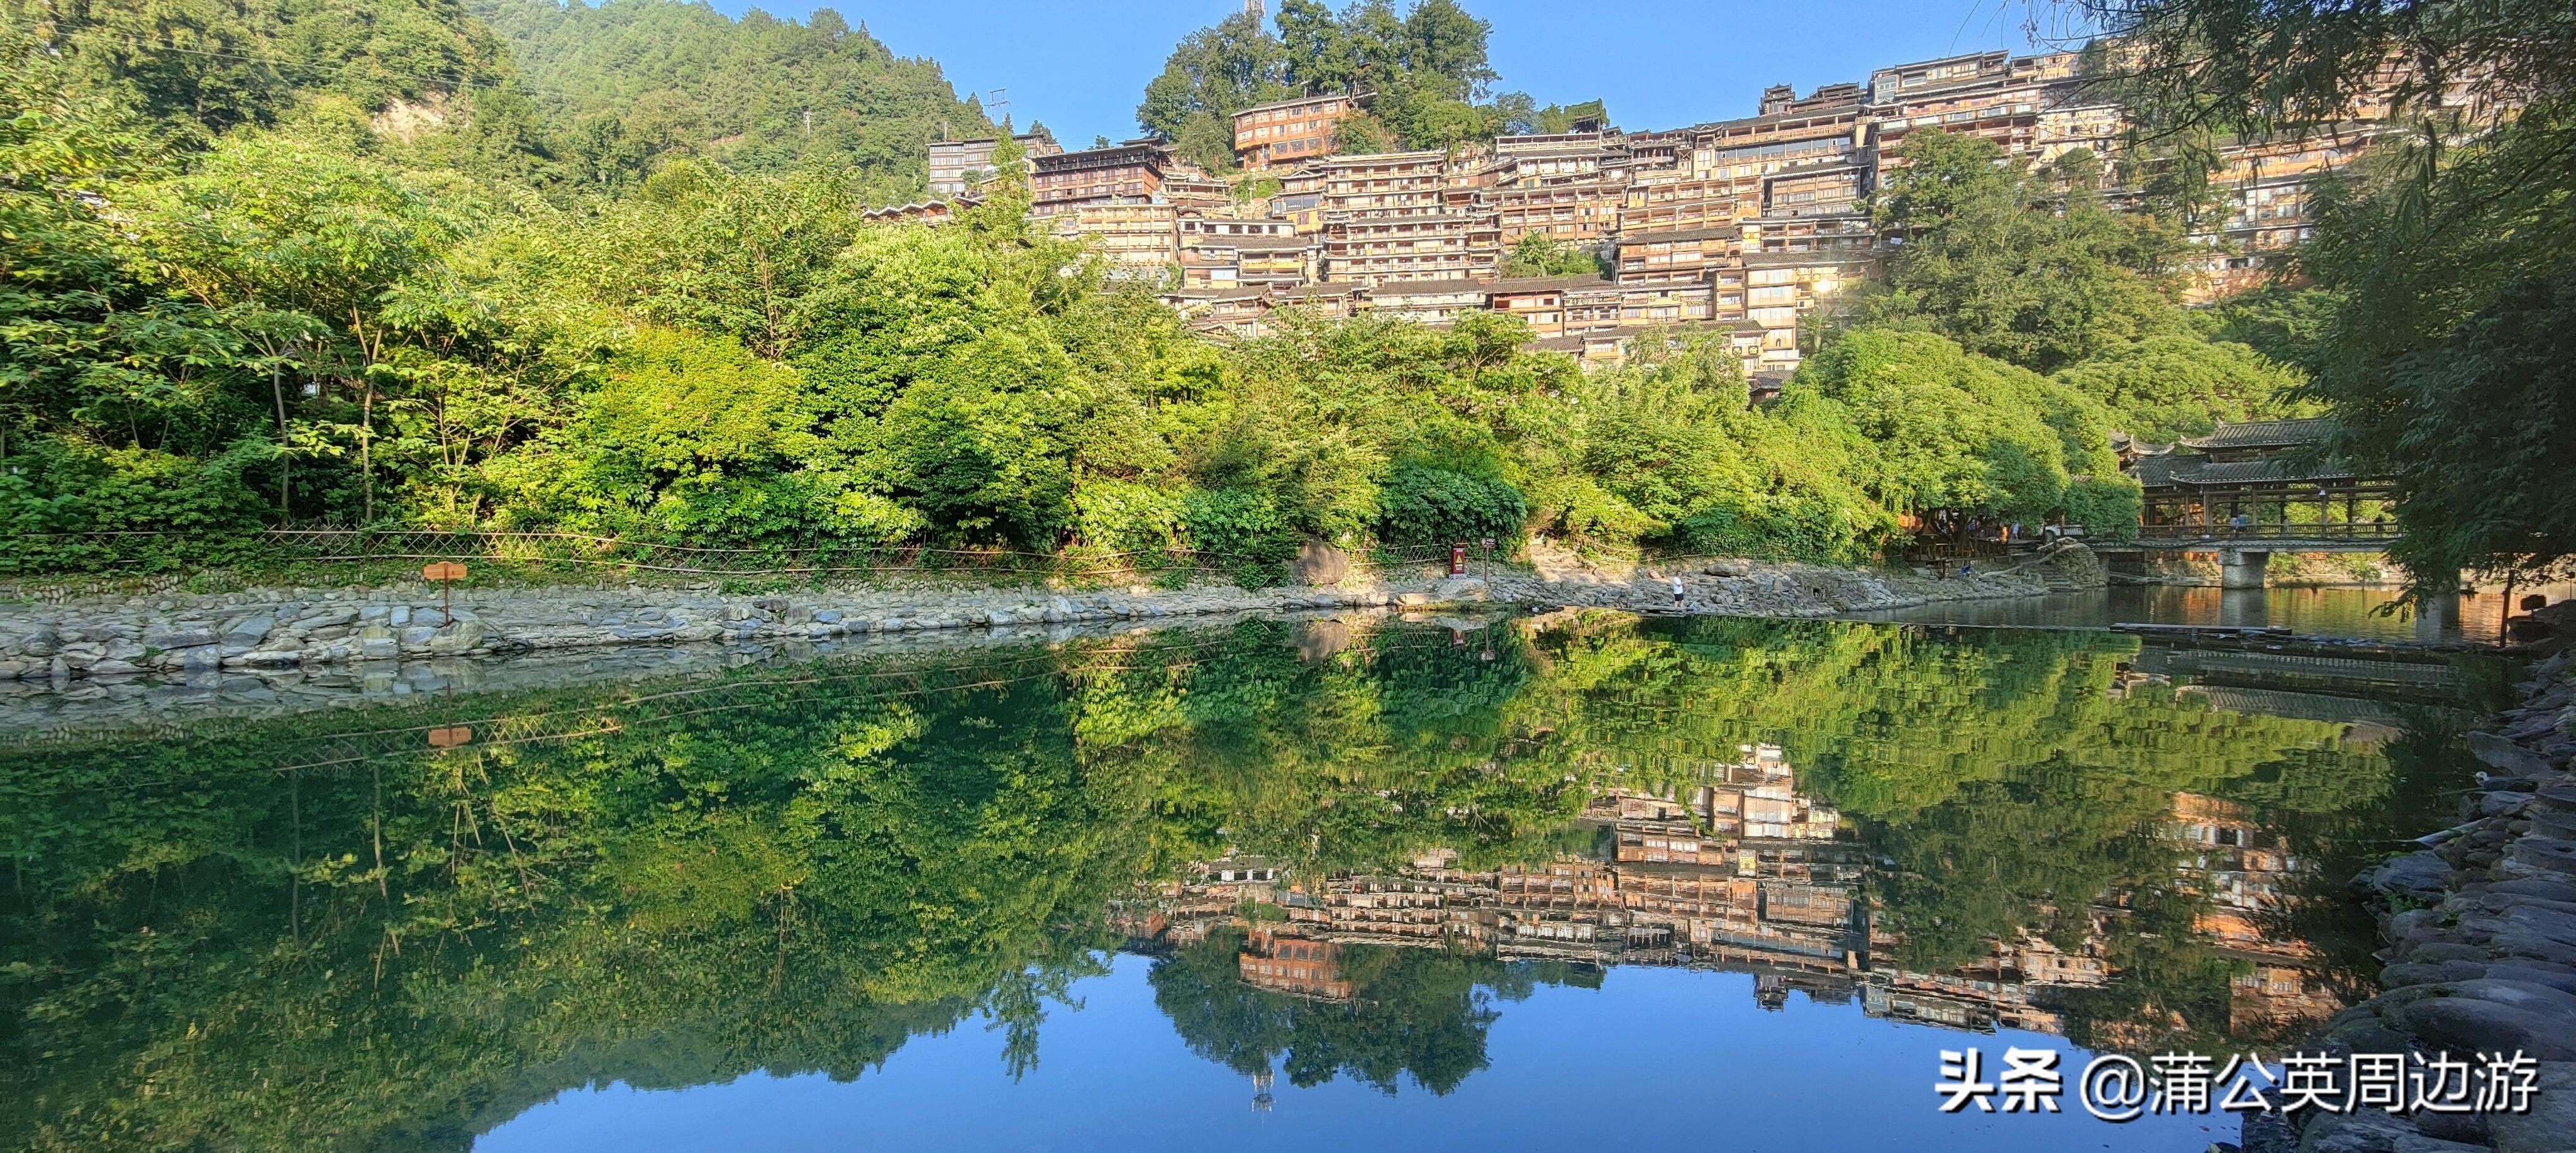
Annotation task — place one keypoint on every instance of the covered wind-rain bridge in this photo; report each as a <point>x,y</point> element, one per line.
<point>2248,490</point>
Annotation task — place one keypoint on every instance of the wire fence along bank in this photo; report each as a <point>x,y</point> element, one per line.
<point>134,553</point>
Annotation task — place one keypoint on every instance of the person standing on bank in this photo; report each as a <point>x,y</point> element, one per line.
<point>1677,590</point>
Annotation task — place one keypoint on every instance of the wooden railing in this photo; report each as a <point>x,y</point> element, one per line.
<point>2261,532</point>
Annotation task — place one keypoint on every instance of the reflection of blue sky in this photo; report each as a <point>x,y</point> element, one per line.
<point>1669,1058</point>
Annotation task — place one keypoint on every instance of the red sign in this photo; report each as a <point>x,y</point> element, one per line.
<point>1458,559</point>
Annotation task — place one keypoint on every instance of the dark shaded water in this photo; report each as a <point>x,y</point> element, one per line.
<point>2368,613</point>
<point>1387,886</point>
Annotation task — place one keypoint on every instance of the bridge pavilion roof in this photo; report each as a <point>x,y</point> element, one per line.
<point>2170,472</point>
<point>2264,434</point>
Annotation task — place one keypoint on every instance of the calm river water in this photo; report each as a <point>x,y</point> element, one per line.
<point>2367,613</point>
<point>1376,885</point>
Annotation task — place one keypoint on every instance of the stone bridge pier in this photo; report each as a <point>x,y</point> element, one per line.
<point>2241,568</point>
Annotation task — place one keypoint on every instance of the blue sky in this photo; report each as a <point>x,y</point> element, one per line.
<point>1659,63</point>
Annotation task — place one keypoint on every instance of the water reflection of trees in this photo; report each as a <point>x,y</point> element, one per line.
<point>404,950</point>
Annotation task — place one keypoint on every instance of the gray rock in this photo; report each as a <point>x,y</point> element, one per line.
<point>2408,973</point>
<point>2414,924</point>
<point>186,639</point>
<point>1318,563</point>
<point>253,625</point>
<point>269,658</point>
<point>1464,588</point>
<point>2500,804</point>
<point>327,618</point>
<point>2418,872</point>
<point>2500,753</point>
<point>2555,976</point>
<point>2467,1024</point>
<point>2372,1131</point>
<point>827,616</point>
<point>2546,854</point>
<point>2467,1128</point>
<point>2550,1126</point>
<point>2546,890</point>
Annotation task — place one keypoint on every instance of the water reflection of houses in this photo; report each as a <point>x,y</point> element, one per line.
<point>1289,962</point>
<point>2245,872</point>
<point>1738,873</point>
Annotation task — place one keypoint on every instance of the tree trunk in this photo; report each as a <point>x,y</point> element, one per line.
<point>285,463</point>
<point>366,462</point>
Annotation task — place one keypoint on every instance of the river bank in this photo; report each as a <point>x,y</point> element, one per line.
<point>2481,925</point>
<point>55,642</point>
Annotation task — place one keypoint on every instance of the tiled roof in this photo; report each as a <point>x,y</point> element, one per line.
<point>1426,288</point>
<point>2265,434</point>
<point>1680,235</point>
<point>1292,103</point>
<point>1548,284</point>
<point>2273,471</point>
<point>2196,472</point>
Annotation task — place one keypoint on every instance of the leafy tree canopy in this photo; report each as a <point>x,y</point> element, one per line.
<point>2444,263</point>
<point>2025,267</point>
<point>1423,71</point>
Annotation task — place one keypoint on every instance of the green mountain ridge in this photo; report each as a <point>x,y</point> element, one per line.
<point>629,82</point>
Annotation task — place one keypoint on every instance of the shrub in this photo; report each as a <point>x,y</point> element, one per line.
<point>52,486</point>
<point>1127,516</point>
<point>1434,506</point>
<point>1784,526</point>
<point>1240,529</point>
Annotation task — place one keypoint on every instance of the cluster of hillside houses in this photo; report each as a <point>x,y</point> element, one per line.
<point>1739,226</point>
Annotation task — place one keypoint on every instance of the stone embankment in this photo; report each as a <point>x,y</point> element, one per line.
<point>2481,926</point>
<point>277,629</point>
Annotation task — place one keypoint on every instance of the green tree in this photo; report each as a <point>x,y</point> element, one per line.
<point>1539,254</point>
<point>2167,387</point>
<point>1424,71</point>
<point>1954,430</point>
<point>2012,265</point>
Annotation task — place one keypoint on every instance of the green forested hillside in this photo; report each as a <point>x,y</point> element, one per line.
<point>631,81</point>
<point>377,262</point>
<point>201,66</point>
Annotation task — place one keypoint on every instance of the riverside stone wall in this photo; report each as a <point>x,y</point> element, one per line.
<point>181,634</point>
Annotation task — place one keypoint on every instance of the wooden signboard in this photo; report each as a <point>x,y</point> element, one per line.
<point>446,573</point>
<point>450,737</point>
